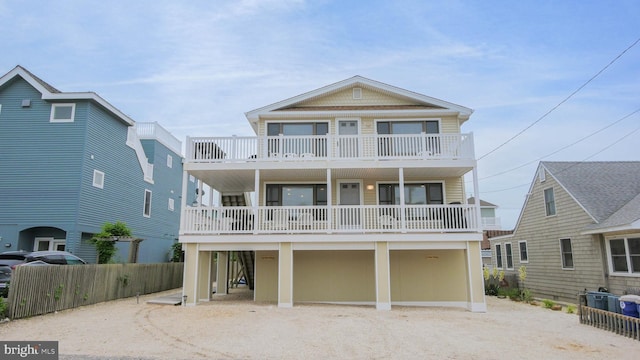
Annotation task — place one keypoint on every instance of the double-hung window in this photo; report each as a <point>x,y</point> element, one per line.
<point>147,203</point>
<point>524,254</point>
<point>499,256</point>
<point>414,194</point>
<point>566,252</point>
<point>549,202</point>
<point>624,255</point>
<point>509,254</point>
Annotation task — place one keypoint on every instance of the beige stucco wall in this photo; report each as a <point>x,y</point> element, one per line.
<point>266,280</point>
<point>341,276</point>
<point>190,270</point>
<point>428,275</point>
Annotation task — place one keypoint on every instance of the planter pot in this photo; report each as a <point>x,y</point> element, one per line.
<point>556,307</point>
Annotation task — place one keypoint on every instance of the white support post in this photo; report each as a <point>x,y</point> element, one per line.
<point>329,215</point>
<point>256,191</point>
<point>403,220</point>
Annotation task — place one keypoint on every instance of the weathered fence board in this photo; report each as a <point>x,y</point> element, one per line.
<point>36,290</point>
<point>620,324</point>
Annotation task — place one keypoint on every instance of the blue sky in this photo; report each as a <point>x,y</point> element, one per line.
<point>197,66</point>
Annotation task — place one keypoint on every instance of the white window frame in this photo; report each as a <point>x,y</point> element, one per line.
<point>53,112</point>
<point>508,252</point>
<point>169,161</point>
<point>542,176</point>
<point>146,209</point>
<point>498,251</point>
<point>171,204</point>
<point>98,179</point>
<point>192,178</point>
<point>573,262</point>
<point>625,238</point>
<point>523,261</point>
<point>544,199</point>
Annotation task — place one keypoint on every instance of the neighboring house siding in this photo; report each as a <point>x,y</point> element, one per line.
<point>40,160</point>
<point>545,276</point>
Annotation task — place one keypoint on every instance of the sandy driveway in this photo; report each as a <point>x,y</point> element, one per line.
<point>125,329</point>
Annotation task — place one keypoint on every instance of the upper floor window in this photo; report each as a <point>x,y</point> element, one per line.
<point>98,179</point>
<point>62,112</point>
<point>624,255</point>
<point>408,127</point>
<point>499,256</point>
<point>549,202</point>
<point>566,252</point>
<point>147,203</point>
<point>297,128</point>
<point>524,254</point>
<point>171,204</point>
<point>169,161</point>
<point>509,253</point>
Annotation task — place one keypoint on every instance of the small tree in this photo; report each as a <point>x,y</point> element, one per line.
<point>105,241</point>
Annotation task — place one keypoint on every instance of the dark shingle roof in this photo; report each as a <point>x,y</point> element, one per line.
<point>603,188</point>
<point>41,82</point>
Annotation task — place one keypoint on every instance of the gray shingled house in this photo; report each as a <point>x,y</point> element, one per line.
<point>579,229</point>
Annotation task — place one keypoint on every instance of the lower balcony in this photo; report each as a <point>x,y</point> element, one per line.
<point>203,220</point>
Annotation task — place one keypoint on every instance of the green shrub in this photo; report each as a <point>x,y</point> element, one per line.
<point>526,296</point>
<point>548,304</point>
<point>571,309</point>
<point>3,308</point>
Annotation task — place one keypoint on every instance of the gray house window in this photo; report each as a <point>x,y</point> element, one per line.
<point>147,203</point>
<point>499,256</point>
<point>566,253</point>
<point>524,254</point>
<point>509,253</point>
<point>625,255</point>
<point>549,202</point>
<point>62,112</point>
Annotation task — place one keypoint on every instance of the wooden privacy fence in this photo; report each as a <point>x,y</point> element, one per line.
<point>620,324</point>
<point>36,290</point>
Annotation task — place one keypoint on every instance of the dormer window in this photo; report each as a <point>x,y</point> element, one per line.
<point>62,112</point>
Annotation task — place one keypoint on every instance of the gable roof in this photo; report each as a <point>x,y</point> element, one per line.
<point>50,93</point>
<point>421,102</point>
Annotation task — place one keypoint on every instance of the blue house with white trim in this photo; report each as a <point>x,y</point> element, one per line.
<point>71,161</point>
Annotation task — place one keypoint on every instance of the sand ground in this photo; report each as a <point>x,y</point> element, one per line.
<point>242,329</point>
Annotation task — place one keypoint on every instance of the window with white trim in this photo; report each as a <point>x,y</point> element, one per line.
<point>98,179</point>
<point>509,255</point>
<point>147,203</point>
<point>524,252</point>
<point>171,204</point>
<point>62,112</point>
<point>549,202</point>
<point>566,252</point>
<point>169,161</point>
<point>499,256</point>
<point>624,255</point>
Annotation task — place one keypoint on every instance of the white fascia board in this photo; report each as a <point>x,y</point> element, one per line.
<point>461,111</point>
<point>633,227</point>
<point>89,96</point>
<point>48,95</point>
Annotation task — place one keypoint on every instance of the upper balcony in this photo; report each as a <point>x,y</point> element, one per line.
<point>238,149</point>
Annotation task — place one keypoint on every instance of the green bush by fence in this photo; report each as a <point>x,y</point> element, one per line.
<point>36,290</point>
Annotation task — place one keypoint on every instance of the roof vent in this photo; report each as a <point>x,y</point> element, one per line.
<point>26,103</point>
<point>357,93</point>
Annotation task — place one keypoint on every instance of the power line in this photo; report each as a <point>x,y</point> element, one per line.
<point>564,147</point>
<point>578,162</point>
<point>561,102</point>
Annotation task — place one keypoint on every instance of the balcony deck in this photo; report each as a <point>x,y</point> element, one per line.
<point>329,147</point>
<point>204,220</point>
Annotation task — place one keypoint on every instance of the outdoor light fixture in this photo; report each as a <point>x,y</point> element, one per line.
<point>369,187</point>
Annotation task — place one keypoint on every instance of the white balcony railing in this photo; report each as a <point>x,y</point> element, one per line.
<point>322,219</point>
<point>345,147</point>
<point>491,223</point>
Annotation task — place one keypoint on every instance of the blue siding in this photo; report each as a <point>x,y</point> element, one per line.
<point>46,178</point>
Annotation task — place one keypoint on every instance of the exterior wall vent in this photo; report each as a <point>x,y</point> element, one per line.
<point>357,93</point>
<point>26,103</point>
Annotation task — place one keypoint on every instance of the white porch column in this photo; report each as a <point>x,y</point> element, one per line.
<point>285,276</point>
<point>222,278</point>
<point>204,275</point>
<point>329,215</point>
<point>383,277</point>
<point>256,191</point>
<point>402,210</point>
<point>183,201</point>
<point>476,194</point>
